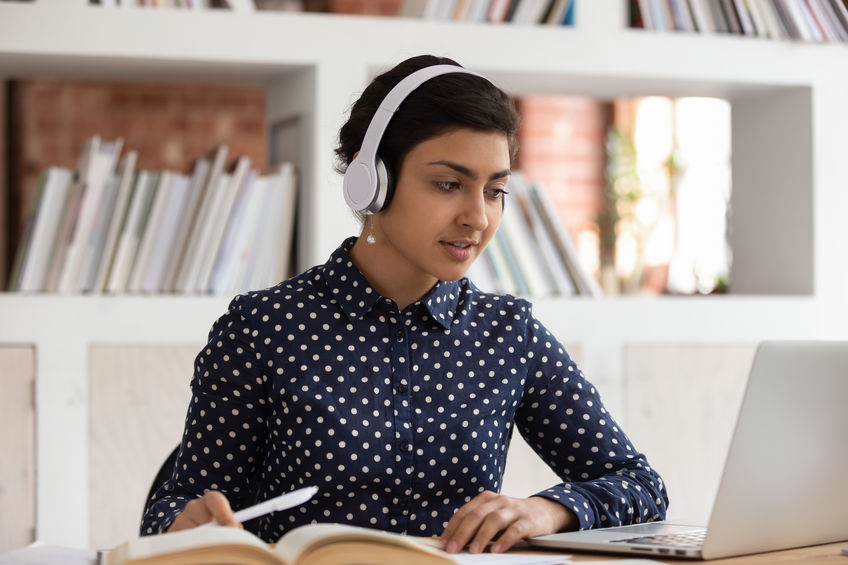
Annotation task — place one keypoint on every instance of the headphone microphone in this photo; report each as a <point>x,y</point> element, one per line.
<point>366,181</point>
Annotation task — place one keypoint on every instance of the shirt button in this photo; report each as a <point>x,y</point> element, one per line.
<point>401,388</point>
<point>399,335</point>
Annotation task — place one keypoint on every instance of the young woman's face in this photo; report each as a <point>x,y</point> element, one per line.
<point>447,203</point>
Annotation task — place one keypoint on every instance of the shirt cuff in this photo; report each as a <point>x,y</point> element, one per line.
<point>575,502</point>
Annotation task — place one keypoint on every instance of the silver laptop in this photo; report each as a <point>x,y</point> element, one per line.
<point>785,479</point>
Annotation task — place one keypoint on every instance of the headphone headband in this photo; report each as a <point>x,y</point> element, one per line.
<point>363,189</point>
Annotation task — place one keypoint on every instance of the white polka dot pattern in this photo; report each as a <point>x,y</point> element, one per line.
<point>398,417</point>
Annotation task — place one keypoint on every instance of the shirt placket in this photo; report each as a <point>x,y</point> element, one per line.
<point>401,400</point>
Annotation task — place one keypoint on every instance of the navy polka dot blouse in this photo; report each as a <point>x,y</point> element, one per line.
<point>399,418</point>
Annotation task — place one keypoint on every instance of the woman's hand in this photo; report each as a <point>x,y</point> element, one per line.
<point>211,506</point>
<point>481,519</point>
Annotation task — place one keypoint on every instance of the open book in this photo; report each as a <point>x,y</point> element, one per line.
<point>312,544</point>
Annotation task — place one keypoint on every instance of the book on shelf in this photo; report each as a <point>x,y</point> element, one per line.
<point>682,12</point>
<point>522,12</point>
<point>719,19</point>
<point>191,255</point>
<point>150,229</point>
<point>96,166</point>
<point>728,9</point>
<point>131,231</point>
<point>65,229</point>
<point>583,281</point>
<point>236,245</point>
<point>229,190</point>
<point>249,258</point>
<point>199,173</point>
<point>32,259</point>
<point>551,260</point>
<point>530,11</point>
<point>477,10</point>
<point>502,276</point>
<point>115,229</point>
<point>524,248</point>
<point>277,250</point>
<point>508,267</point>
<point>757,19</point>
<point>702,17</point>
<point>318,544</point>
<point>116,216</point>
<point>805,20</point>
<point>531,253</point>
<point>165,243</point>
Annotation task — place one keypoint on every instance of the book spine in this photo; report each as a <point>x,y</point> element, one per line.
<point>117,218</point>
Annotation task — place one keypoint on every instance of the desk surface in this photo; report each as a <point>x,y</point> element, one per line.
<point>817,554</point>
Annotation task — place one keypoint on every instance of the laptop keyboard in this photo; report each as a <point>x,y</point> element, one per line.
<point>695,538</point>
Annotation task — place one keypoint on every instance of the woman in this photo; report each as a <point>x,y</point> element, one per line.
<point>389,381</point>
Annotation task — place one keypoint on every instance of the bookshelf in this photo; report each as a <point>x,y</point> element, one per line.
<point>789,198</point>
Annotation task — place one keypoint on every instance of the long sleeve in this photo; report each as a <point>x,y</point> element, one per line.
<point>225,427</point>
<point>606,481</point>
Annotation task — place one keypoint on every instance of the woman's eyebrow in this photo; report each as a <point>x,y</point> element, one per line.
<point>463,170</point>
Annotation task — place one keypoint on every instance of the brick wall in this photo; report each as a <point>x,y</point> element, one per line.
<point>168,125</point>
<point>366,7</point>
<point>561,145</point>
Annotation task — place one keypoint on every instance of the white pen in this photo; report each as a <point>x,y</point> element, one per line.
<point>282,502</point>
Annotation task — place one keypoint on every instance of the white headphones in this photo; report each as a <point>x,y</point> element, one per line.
<point>366,182</point>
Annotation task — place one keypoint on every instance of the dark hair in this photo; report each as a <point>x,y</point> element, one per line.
<point>441,104</point>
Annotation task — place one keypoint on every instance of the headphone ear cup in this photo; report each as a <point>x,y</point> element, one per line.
<point>385,185</point>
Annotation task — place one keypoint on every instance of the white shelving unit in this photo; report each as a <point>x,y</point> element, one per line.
<point>789,194</point>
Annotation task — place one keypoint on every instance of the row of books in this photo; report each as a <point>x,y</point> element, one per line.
<point>236,5</point>
<point>804,20</point>
<point>107,227</point>
<point>531,254</point>
<point>549,12</point>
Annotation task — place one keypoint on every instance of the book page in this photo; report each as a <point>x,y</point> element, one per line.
<point>311,536</point>
<point>510,559</point>
<point>184,540</point>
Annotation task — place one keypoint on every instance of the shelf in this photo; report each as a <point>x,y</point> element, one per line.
<point>593,57</point>
<point>109,319</point>
<point>187,319</point>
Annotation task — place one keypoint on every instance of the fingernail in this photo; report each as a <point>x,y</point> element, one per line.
<point>451,547</point>
<point>495,548</point>
<point>475,547</point>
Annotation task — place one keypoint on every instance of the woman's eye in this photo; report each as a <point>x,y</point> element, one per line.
<point>448,185</point>
<point>496,193</point>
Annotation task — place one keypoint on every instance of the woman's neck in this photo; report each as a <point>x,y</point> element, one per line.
<point>386,273</point>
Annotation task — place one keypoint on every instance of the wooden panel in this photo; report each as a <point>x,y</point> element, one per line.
<point>525,473</point>
<point>17,447</point>
<point>138,400</point>
<point>681,403</point>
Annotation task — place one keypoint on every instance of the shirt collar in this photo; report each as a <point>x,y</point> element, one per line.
<point>356,297</point>
<point>441,302</point>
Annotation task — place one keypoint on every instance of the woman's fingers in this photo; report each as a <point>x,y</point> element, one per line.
<point>211,506</point>
<point>465,521</point>
<point>219,508</point>
<point>490,515</point>
<point>501,516</point>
